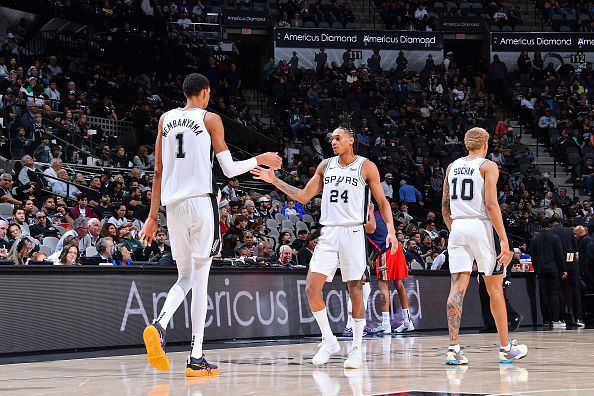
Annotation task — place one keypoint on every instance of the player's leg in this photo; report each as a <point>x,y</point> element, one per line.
<point>205,242</point>
<point>509,350</point>
<point>384,289</point>
<point>486,248</point>
<point>154,334</point>
<point>197,366</point>
<point>353,266</point>
<point>313,289</point>
<point>407,324</point>
<point>355,359</point>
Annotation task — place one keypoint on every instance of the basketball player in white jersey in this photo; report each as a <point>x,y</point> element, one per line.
<point>471,211</point>
<point>184,183</point>
<point>346,180</point>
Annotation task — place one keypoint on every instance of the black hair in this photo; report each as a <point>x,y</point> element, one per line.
<point>194,84</point>
<point>344,123</point>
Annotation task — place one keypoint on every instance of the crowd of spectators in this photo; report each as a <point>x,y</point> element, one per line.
<point>419,15</point>
<point>310,14</point>
<point>567,16</point>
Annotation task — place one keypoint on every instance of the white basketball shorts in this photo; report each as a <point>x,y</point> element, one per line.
<point>193,226</point>
<point>344,246</point>
<point>474,239</point>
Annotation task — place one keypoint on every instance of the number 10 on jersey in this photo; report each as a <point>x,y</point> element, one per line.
<point>466,189</point>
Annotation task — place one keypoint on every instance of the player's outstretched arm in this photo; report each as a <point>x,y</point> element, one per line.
<point>372,178</point>
<point>446,212</point>
<point>149,231</point>
<point>232,168</point>
<point>311,189</point>
<point>491,175</point>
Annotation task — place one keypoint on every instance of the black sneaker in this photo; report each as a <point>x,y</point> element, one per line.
<point>514,324</point>
<point>200,368</point>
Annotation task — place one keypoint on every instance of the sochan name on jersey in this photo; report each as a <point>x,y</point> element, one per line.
<point>463,171</point>
<point>340,179</point>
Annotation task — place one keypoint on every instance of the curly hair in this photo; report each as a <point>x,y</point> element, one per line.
<point>475,139</point>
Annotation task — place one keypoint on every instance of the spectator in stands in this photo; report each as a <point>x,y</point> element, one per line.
<point>4,243</point>
<point>265,211</point>
<point>20,250</point>
<point>387,186</point>
<point>230,190</point>
<point>410,194</point>
<point>587,171</point>
<point>264,249</point>
<point>6,190</point>
<point>82,210</point>
<point>104,248</point>
<point>498,74</point>
<point>43,152</point>
<point>52,171</point>
<point>28,165</point>
<point>64,188</point>
<point>285,258</point>
<point>141,159</point>
<point>18,217</point>
<point>134,246</point>
<point>413,254</point>
<point>306,252</point>
<point>119,219</point>
<point>292,208</point>
<point>158,247</point>
<point>104,210</point>
<point>69,256</point>
<point>80,230</point>
<point>300,241</point>
<point>121,256</point>
<point>42,228</point>
<point>109,230</point>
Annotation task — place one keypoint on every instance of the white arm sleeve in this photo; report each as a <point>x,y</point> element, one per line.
<point>233,168</point>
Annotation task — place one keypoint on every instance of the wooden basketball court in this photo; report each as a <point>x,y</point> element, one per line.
<point>558,363</point>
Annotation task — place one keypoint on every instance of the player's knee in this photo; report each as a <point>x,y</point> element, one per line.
<point>311,291</point>
<point>382,298</point>
<point>185,282</point>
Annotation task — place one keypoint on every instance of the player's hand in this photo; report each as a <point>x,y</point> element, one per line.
<point>263,174</point>
<point>564,276</point>
<point>391,239</point>
<point>149,231</point>
<point>506,255</point>
<point>272,160</point>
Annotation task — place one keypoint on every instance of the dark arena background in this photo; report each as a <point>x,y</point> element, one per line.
<point>83,84</point>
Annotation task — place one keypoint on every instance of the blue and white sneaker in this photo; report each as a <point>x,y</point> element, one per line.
<point>369,332</point>
<point>347,332</point>
<point>516,352</point>
<point>454,358</point>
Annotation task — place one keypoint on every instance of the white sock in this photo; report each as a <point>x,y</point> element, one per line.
<point>406,315</point>
<point>358,328</point>
<point>385,317</point>
<point>349,324</point>
<point>507,348</point>
<point>322,319</point>
<point>177,293</point>
<point>199,304</point>
<point>366,293</point>
<point>455,348</point>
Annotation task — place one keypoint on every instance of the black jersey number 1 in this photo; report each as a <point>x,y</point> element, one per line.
<point>180,145</point>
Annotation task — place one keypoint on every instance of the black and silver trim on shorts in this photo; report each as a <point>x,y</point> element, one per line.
<point>216,239</point>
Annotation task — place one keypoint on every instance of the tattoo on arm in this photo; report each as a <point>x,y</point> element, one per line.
<point>287,188</point>
<point>454,306</point>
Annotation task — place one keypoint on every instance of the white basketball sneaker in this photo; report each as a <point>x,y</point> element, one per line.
<point>386,327</point>
<point>406,326</point>
<point>327,347</point>
<point>355,359</point>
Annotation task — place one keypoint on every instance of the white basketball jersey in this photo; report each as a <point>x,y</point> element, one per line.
<point>187,156</point>
<point>345,198</point>
<point>467,189</point>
